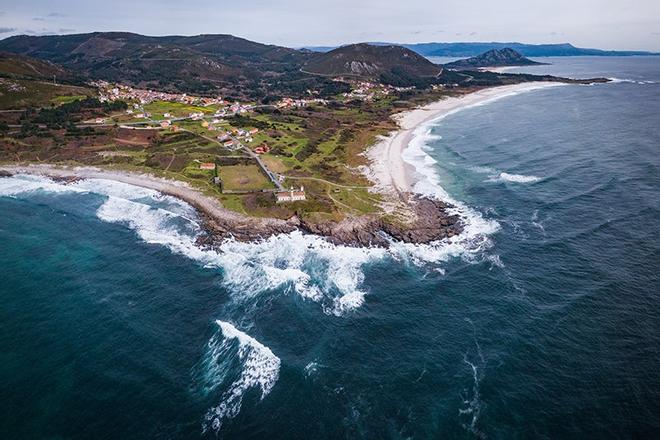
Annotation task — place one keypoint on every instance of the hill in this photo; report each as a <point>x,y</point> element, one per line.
<point>493,58</point>
<point>29,82</point>
<point>21,66</point>
<point>370,61</point>
<point>529,50</point>
<point>202,64</point>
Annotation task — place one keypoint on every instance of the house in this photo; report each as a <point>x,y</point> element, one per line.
<point>100,120</point>
<point>261,149</point>
<point>207,166</point>
<point>290,196</point>
<point>205,124</point>
<point>254,131</point>
<point>165,124</point>
<point>167,115</point>
<point>228,143</point>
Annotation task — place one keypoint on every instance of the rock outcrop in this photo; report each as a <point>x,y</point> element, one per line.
<point>431,222</point>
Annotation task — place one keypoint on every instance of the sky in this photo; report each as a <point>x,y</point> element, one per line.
<point>605,24</point>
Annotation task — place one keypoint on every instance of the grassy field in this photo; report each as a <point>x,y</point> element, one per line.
<point>177,109</point>
<point>243,177</point>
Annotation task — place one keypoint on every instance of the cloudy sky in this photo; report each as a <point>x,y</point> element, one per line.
<point>606,24</point>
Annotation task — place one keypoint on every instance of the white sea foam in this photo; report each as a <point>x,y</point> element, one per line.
<point>26,184</point>
<point>474,238</point>
<point>259,368</point>
<point>518,178</point>
<point>631,81</point>
<point>307,265</point>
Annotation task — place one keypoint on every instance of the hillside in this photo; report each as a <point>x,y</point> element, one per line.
<point>213,64</point>
<point>493,58</point>
<point>21,66</point>
<point>370,61</point>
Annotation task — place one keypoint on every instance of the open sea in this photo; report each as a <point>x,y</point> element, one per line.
<point>542,320</point>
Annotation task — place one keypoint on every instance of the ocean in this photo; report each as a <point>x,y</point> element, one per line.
<point>542,320</point>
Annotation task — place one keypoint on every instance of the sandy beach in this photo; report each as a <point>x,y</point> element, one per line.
<point>389,172</point>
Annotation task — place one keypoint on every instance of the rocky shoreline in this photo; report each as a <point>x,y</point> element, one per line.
<point>431,222</point>
<point>430,219</point>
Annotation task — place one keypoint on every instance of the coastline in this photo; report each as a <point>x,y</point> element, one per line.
<point>390,173</point>
<point>432,221</point>
<point>422,220</point>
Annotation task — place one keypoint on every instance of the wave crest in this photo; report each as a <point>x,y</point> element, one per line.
<point>259,368</point>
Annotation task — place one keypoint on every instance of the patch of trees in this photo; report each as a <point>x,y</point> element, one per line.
<point>65,114</point>
<point>399,77</point>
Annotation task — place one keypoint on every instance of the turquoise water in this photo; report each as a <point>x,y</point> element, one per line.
<point>540,322</point>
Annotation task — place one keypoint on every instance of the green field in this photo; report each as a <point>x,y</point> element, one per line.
<point>243,178</point>
<point>177,109</point>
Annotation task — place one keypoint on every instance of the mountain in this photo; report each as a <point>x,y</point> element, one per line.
<point>529,50</point>
<point>493,58</point>
<point>198,64</point>
<point>371,61</point>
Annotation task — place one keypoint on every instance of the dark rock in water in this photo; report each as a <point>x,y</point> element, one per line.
<point>4,173</point>
<point>431,222</point>
<point>66,180</point>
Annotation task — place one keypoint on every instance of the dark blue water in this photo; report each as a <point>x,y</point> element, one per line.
<point>541,322</point>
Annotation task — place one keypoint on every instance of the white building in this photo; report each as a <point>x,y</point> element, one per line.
<point>291,196</point>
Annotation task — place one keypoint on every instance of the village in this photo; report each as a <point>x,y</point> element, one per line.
<point>208,118</point>
<point>182,110</point>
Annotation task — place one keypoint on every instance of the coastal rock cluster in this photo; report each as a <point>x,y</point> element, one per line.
<point>431,221</point>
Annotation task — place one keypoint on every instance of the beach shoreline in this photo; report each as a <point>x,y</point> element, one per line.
<point>388,170</point>
<point>431,220</point>
<point>418,220</point>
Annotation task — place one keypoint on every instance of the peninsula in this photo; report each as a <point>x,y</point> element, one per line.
<point>260,139</point>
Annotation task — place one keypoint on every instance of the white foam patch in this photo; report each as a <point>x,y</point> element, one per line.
<point>473,240</point>
<point>304,264</point>
<point>25,184</point>
<point>259,368</point>
<point>631,81</point>
<point>518,178</point>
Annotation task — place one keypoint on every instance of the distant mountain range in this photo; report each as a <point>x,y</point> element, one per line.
<point>493,58</point>
<point>237,68</point>
<point>529,50</point>
<point>198,64</point>
<point>221,64</point>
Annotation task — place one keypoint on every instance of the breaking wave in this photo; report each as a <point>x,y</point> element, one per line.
<point>474,239</point>
<point>330,275</point>
<point>235,357</point>
<point>631,81</point>
<point>518,178</point>
<point>305,264</point>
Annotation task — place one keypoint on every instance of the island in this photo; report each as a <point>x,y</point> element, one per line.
<point>261,139</point>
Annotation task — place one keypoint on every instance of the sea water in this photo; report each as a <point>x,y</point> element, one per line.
<point>539,321</point>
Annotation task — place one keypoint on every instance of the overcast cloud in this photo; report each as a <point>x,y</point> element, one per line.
<point>608,24</point>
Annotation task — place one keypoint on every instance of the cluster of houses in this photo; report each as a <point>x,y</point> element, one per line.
<point>368,91</point>
<point>115,92</point>
<point>298,103</point>
<point>231,139</point>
